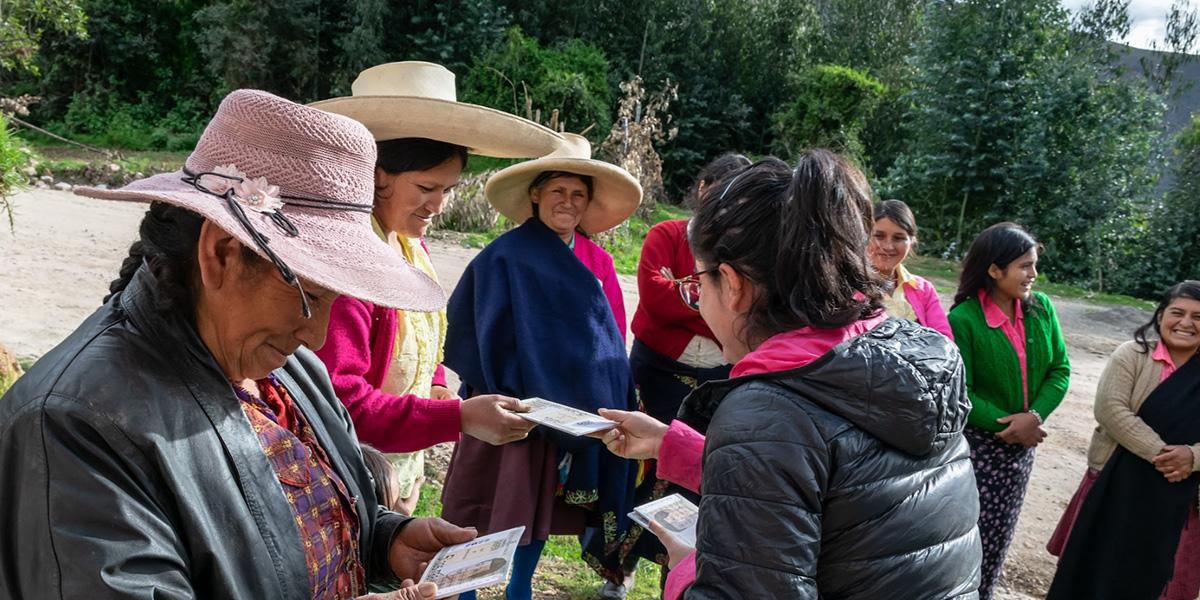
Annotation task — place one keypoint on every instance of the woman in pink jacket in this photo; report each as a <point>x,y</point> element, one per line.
<point>912,297</point>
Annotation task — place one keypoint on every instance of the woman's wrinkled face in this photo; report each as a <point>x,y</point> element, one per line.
<point>407,202</point>
<point>561,203</point>
<point>889,246</point>
<point>248,317</point>
<point>1016,280</point>
<point>1179,325</point>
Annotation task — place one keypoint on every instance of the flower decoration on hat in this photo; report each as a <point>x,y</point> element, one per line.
<point>255,194</point>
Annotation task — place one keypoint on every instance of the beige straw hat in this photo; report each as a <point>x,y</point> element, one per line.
<point>615,193</point>
<point>416,99</point>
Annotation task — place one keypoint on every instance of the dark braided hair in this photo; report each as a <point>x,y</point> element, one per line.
<point>167,246</point>
<point>800,236</point>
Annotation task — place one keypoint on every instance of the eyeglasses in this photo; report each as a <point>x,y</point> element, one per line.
<point>689,287</point>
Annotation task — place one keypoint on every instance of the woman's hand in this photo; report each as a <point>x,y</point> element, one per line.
<point>490,418</point>
<point>677,550</point>
<point>1174,462</point>
<point>637,435</point>
<point>441,392</point>
<point>408,591</point>
<point>1023,428</point>
<point>419,540</point>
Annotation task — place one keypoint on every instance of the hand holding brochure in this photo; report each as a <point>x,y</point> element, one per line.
<point>674,513</point>
<point>563,418</point>
<point>479,563</point>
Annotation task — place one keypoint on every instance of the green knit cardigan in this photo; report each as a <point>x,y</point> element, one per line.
<point>993,373</point>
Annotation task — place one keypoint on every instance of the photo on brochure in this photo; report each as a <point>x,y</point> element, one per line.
<point>482,562</point>
<point>675,513</point>
<point>564,418</point>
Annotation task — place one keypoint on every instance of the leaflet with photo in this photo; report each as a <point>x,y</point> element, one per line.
<point>564,418</point>
<point>479,563</point>
<point>674,513</point>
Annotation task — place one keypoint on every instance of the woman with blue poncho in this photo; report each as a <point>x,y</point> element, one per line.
<point>539,313</point>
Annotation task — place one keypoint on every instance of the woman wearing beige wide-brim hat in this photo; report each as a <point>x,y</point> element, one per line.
<point>385,364</point>
<point>183,439</point>
<point>539,313</point>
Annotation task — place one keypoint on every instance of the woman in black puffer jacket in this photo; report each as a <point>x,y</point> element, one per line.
<point>834,465</point>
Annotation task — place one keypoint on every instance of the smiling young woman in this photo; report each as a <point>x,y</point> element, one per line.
<point>1148,443</point>
<point>893,236</point>
<point>1017,373</point>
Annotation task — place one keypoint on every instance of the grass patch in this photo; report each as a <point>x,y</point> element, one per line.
<point>561,574</point>
<point>76,165</point>
<point>944,275</point>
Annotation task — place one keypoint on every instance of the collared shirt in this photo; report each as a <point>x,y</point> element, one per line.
<point>323,509</point>
<point>896,304</point>
<point>1014,331</point>
<point>1162,355</point>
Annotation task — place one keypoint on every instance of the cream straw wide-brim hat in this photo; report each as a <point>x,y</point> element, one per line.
<point>321,169</point>
<point>416,99</point>
<point>615,193</point>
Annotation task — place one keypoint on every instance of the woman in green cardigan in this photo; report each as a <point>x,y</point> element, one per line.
<point>1017,374</point>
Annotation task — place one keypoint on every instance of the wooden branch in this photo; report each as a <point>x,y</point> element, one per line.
<point>106,153</point>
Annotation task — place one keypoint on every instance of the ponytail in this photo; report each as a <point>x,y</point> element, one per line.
<point>800,236</point>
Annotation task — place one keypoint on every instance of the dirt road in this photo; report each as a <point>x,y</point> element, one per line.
<point>56,267</point>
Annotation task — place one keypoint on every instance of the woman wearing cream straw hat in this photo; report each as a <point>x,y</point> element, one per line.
<point>385,363</point>
<point>183,442</point>
<point>538,313</point>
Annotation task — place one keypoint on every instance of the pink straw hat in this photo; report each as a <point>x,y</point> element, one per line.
<point>296,185</point>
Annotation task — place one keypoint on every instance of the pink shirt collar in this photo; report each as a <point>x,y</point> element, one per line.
<point>1162,355</point>
<point>992,313</point>
<point>796,348</point>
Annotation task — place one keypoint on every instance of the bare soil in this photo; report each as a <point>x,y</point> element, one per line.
<point>55,269</point>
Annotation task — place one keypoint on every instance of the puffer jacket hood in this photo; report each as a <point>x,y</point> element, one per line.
<point>845,479</point>
<point>900,382</point>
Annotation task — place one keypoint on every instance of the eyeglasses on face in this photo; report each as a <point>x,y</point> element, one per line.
<point>689,287</point>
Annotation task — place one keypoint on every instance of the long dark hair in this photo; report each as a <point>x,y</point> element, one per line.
<point>998,245</point>
<point>1184,289</point>
<point>800,236</point>
<point>167,242</point>
<point>416,154</point>
<point>719,168</point>
<point>383,473</point>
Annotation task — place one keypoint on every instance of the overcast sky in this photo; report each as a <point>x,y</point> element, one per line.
<point>1148,20</point>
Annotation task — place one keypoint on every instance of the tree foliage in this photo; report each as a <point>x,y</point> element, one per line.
<point>829,109</point>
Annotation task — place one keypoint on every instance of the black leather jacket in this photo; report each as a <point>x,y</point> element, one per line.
<point>130,471</point>
<point>846,478</point>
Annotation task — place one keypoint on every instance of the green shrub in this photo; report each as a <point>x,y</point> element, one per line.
<point>829,109</point>
<point>14,156</point>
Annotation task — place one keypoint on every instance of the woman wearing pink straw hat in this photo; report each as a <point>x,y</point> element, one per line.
<point>183,441</point>
<point>385,363</point>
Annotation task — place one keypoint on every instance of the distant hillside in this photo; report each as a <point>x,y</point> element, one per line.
<point>1181,108</point>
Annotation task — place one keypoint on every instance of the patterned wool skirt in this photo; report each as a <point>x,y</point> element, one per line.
<point>1001,474</point>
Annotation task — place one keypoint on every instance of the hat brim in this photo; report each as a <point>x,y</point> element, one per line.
<point>335,250</point>
<point>482,130</point>
<point>615,193</point>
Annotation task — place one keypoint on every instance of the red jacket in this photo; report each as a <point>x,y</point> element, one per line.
<point>662,321</point>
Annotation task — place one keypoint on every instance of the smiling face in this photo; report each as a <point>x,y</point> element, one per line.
<point>407,202</point>
<point>561,202</point>
<point>1179,326</point>
<point>889,246</point>
<point>1016,279</point>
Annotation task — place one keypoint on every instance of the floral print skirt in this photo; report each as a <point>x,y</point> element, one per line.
<point>1001,474</point>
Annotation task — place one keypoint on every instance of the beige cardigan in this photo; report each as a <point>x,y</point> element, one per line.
<point>1127,381</point>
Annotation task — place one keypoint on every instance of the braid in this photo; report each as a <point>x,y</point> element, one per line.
<point>167,246</point>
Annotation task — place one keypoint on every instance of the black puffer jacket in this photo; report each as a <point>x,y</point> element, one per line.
<point>846,478</point>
